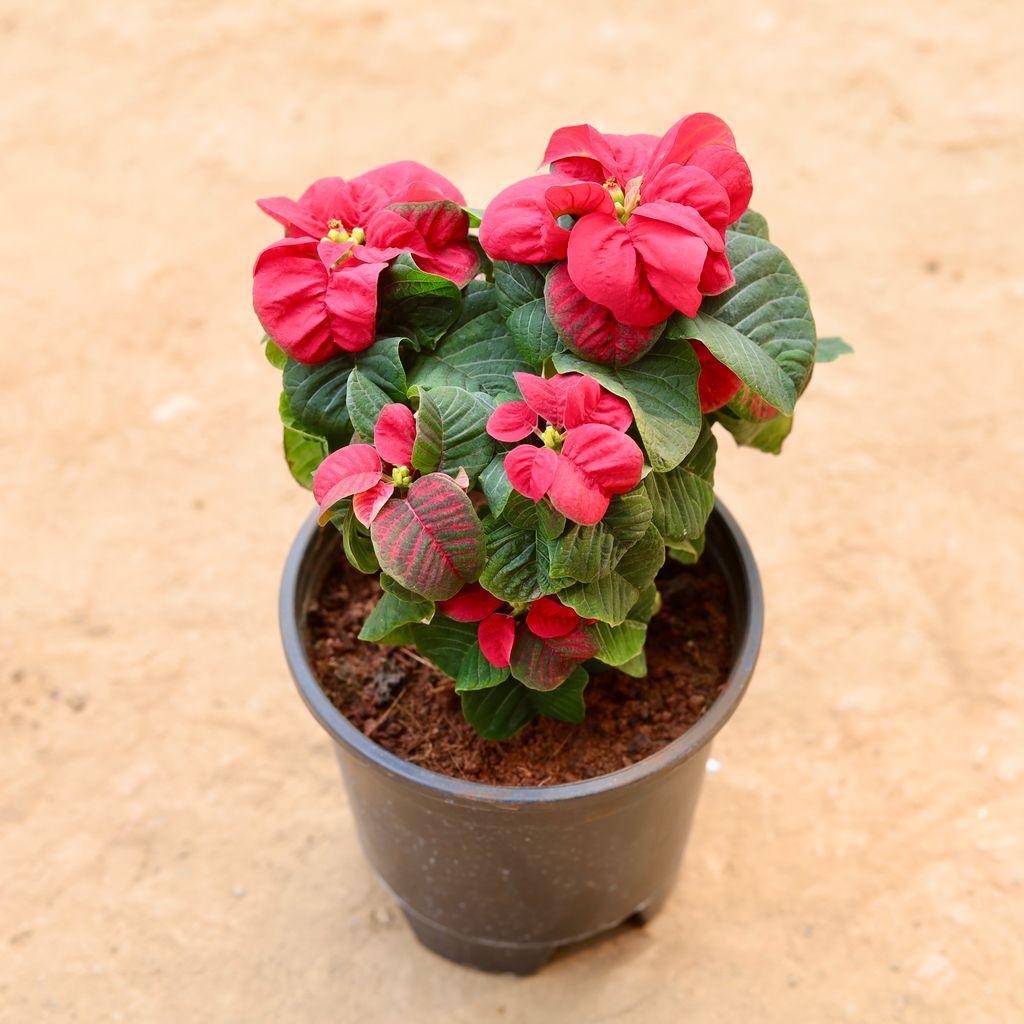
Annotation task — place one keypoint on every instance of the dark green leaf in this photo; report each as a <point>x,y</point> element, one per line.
<point>640,564</point>
<point>533,333</point>
<point>516,569</point>
<point>566,702</point>
<point>619,644</point>
<point>516,284</point>
<point>751,223</point>
<point>477,673</point>
<point>391,586</point>
<point>769,305</point>
<point>317,394</point>
<point>500,711</point>
<point>683,497</point>
<point>688,551</point>
<point>495,484</point>
<point>764,435</point>
<point>829,349</point>
<point>661,389</point>
<point>451,432</point>
<point>378,379</point>
<point>607,599</point>
<point>391,613</point>
<point>358,548</point>
<point>446,642</point>
<point>416,305</point>
<point>479,356</point>
<point>304,449</point>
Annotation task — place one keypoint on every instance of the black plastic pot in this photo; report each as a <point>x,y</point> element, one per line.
<point>498,877</point>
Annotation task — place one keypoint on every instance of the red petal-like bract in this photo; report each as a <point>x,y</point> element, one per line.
<point>588,402</point>
<point>349,470</point>
<point>366,504</point>
<point>409,181</point>
<point>717,384</point>
<point>471,604</point>
<point>530,470</point>
<point>544,663</point>
<point>496,634</point>
<point>511,421</point>
<point>548,617</point>
<point>431,540</point>
<point>596,462</point>
<point>517,224</point>
<point>590,328</point>
<point>288,287</point>
<point>395,434</point>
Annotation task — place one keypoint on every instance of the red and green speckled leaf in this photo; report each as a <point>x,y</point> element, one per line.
<point>430,541</point>
<point>543,663</point>
<point>591,329</point>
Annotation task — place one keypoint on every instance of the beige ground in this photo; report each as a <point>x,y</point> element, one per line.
<point>174,844</point>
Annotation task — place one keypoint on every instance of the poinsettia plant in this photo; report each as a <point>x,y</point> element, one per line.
<point>509,416</point>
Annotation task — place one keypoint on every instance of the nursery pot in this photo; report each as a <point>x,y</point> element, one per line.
<point>498,877</point>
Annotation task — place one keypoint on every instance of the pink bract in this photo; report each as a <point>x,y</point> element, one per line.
<point>596,459</point>
<point>652,213</point>
<point>315,291</point>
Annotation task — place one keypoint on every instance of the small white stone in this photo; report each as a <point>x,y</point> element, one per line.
<point>173,407</point>
<point>713,766</point>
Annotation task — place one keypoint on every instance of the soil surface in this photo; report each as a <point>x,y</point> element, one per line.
<point>410,708</point>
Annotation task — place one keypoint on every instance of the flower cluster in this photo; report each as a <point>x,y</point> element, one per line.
<point>509,415</point>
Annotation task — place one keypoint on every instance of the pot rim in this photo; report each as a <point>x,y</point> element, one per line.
<point>447,787</point>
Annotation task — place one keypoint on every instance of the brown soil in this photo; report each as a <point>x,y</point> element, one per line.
<point>411,709</point>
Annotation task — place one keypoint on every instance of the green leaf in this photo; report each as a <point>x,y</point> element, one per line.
<point>533,333</point>
<point>550,522</point>
<point>661,389</point>
<point>451,432</point>
<point>478,298</point>
<point>607,599</point>
<point>516,569</point>
<point>304,449</point>
<point>477,673</point>
<point>689,551</point>
<point>475,215</point>
<point>275,356</point>
<point>414,304</point>
<point>543,663</point>
<point>478,356</point>
<point>431,540</point>
<point>764,435</point>
<point>769,305</point>
<point>628,516</point>
<point>446,642</point>
<point>391,586</point>
<point>520,512</point>
<point>358,548</point>
<point>495,484</point>
<point>391,613</point>
<point>647,604</point>
<point>566,702</point>
<point>636,667</point>
<point>682,498</point>
<point>582,553</point>
<point>377,379</point>
<point>762,374</point>
<point>640,564</point>
<point>498,712</point>
<point>619,644</point>
<point>517,284</point>
<point>830,349</point>
<point>317,394</point>
<point>751,223</point>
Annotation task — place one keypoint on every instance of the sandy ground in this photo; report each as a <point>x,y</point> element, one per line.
<point>174,842</point>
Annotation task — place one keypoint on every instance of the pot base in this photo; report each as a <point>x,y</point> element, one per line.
<point>509,957</point>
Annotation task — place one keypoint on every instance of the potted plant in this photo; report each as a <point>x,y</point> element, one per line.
<point>509,419</point>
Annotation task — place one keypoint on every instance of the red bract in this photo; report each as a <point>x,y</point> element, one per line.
<point>498,633</point>
<point>357,471</point>
<point>315,291</point>
<point>652,214</point>
<point>586,456</point>
<point>717,385</point>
